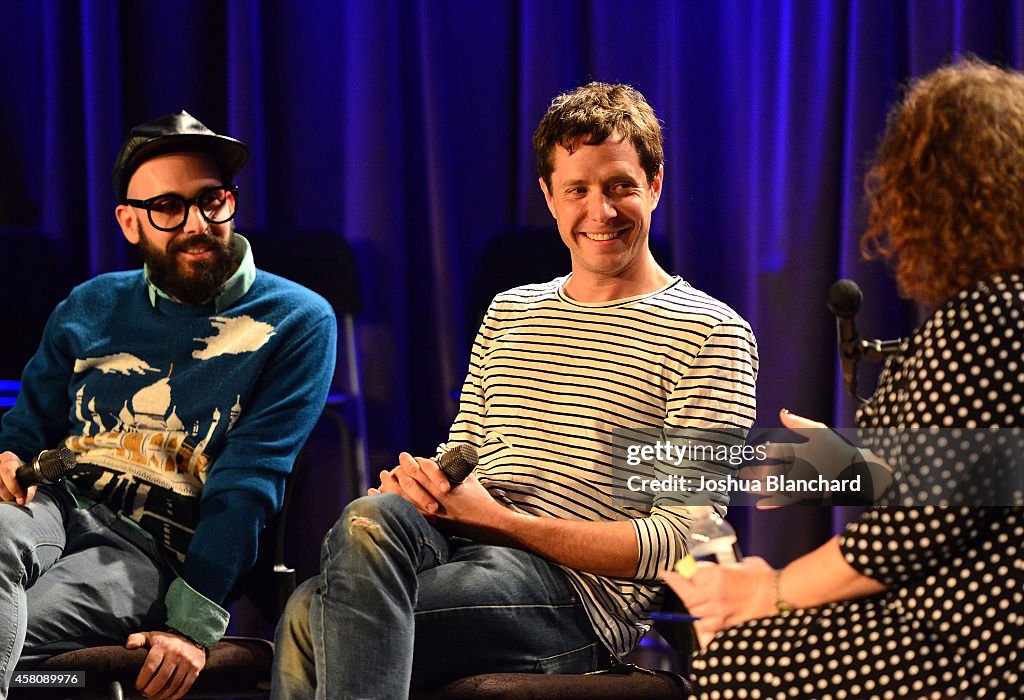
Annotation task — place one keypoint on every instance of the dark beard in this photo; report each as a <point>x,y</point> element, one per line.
<point>172,275</point>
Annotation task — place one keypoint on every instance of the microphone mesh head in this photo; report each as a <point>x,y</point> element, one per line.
<point>55,464</point>
<point>458,461</point>
<point>844,298</point>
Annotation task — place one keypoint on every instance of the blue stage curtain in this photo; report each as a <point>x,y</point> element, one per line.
<point>404,126</point>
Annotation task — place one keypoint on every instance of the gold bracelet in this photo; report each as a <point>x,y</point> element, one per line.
<point>780,605</point>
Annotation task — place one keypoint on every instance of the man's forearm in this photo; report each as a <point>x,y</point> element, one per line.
<point>606,548</point>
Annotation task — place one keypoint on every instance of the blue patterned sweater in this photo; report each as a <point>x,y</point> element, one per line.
<point>186,420</point>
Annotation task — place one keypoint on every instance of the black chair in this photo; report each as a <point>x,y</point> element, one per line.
<point>238,667</point>
<point>615,684</point>
<point>9,389</point>
<point>524,255</point>
<point>36,277</point>
<point>325,263</point>
<point>627,681</point>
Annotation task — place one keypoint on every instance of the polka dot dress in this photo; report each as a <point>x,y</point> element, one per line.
<point>951,624</point>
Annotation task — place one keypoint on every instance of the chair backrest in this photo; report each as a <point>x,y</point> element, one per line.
<point>524,255</point>
<point>325,263</point>
<point>318,260</point>
<point>35,279</point>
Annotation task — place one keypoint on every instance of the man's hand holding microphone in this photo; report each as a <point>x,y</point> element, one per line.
<point>18,480</point>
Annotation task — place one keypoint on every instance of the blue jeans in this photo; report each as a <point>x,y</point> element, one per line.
<point>71,578</point>
<point>398,605</point>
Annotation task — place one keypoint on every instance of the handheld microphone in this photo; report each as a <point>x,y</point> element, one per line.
<point>844,299</point>
<point>457,462</point>
<point>48,468</point>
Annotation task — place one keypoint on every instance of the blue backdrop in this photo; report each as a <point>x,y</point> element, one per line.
<point>404,127</point>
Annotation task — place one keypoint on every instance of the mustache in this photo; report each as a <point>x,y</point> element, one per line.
<point>179,244</point>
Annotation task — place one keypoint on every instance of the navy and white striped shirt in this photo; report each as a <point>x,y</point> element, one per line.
<point>551,379</point>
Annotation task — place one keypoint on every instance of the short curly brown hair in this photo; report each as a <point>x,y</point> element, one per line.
<point>590,114</point>
<point>946,191</point>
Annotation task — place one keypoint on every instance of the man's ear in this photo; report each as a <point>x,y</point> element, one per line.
<point>656,187</point>
<point>129,223</point>
<point>547,197</point>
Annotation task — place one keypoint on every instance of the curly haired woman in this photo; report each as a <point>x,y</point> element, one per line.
<point>913,599</point>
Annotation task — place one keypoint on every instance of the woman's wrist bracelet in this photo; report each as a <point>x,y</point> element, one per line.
<point>780,605</point>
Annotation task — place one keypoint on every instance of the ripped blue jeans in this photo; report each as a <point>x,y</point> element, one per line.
<point>398,605</point>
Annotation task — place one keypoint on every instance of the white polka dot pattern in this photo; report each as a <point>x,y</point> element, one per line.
<point>952,622</point>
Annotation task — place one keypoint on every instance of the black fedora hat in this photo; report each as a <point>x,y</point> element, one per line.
<point>175,133</point>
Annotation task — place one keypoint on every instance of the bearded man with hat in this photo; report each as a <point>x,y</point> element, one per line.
<point>186,390</point>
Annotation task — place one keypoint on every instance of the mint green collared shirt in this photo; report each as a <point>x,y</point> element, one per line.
<point>232,290</point>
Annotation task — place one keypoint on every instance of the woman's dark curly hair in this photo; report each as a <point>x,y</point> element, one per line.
<point>946,191</point>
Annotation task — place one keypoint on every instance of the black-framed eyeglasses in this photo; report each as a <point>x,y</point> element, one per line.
<point>168,212</point>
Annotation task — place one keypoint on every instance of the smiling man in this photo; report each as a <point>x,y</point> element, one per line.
<point>602,187</point>
<point>186,391</point>
<point>532,564</point>
<point>191,267</point>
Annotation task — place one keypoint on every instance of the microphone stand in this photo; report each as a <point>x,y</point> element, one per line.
<point>870,349</point>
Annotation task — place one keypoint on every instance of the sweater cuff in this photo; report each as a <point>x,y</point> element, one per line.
<point>194,615</point>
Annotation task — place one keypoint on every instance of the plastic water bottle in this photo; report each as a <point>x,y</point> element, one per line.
<point>712,537</point>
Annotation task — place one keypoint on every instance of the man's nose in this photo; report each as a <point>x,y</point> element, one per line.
<point>194,221</point>
<point>599,207</point>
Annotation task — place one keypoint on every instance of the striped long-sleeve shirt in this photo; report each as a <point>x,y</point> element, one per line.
<point>551,381</point>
